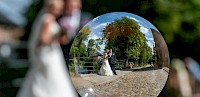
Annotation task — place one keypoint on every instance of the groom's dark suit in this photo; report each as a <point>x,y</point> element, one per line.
<point>112,62</point>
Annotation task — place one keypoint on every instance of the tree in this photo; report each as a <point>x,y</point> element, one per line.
<point>91,47</point>
<point>78,47</point>
<point>146,54</point>
<point>83,35</point>
<point>97,43</point>
<point>125,37</point>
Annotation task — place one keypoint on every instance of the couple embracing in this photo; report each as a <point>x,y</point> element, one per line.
<point>108,63</point>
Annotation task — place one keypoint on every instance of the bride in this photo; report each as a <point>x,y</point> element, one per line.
<point>48,76</point>
<point>105,67</point>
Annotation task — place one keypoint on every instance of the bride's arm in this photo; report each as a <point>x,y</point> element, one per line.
<point>45,35</point>
<point>63,39</point>
<point>105,56</point>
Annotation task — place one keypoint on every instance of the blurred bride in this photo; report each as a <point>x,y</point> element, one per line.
<point>48,76</point>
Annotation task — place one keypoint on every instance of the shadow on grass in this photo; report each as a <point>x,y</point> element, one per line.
<point>142,69</point>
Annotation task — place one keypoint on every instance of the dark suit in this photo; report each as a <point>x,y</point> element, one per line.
<point>112,62</point>
<point>84,18</point>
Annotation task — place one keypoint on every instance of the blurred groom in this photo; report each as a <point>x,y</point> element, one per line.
<point>71,22</point>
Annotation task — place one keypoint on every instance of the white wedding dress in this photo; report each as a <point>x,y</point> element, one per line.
<point>105,67</point>
<point>48,76</point>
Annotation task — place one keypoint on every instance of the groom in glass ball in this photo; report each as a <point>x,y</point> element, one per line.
<point>112,60</point>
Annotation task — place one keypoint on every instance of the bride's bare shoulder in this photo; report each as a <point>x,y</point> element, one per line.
<point>105,54</point>
<point>47,18</point>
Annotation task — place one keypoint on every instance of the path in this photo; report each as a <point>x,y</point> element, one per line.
<point>141,82</point>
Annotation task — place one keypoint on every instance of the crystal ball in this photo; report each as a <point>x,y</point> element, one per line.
<point>119,54</point>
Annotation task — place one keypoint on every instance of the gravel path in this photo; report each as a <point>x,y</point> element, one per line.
<point>142,82</point>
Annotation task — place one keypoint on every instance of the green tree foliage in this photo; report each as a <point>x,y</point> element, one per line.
<point>91,49</point>
<point>129,42</point>
<point>178,21</point>
<point>78,48</point>
<point>84,47</point>
<point>146,54</point>
<point>83,35</point>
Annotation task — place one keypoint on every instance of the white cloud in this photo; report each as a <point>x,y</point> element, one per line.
<point>101,25</point>
<point>143,29</point>
<point>114,14</point>
<point>150,39</point>
<point>93,36</point>
<point>95,19</point>
<point>102,48</point>
<point>150,44</point>
<point>133,18</point>
<point>100,33</point>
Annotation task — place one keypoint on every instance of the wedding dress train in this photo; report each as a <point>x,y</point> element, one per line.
<point>105,68</point>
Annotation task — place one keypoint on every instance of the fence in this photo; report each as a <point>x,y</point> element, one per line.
<point>91,65</point>
<point>83,65</point>
<point>119,64</point>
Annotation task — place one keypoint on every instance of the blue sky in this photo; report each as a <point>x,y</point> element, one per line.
<point>99,23</point>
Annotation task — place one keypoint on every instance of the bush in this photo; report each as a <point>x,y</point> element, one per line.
<point>97,66</point>
<point>71,67</point>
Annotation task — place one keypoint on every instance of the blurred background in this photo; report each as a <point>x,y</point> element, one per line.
<point>177,20</point>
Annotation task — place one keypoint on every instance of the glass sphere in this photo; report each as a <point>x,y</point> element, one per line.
<point>119,54</point>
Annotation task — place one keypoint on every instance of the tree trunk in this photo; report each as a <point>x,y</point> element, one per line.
<point>126,63</point>
<point>136,63</point>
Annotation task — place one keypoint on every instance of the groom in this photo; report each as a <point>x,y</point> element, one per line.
<point>112,61</point>
<point>72,20</point>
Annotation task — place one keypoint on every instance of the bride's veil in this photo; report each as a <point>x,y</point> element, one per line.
<point>34,35</point>
<point>35,32</point>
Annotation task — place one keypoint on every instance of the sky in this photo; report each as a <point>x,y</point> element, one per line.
<point>13,11</point>
<point>99,23</point>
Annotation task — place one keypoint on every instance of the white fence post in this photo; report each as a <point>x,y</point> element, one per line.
<point>76,66</point>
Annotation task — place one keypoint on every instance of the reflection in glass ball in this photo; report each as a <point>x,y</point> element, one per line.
<point>119,54</point>
<point>86,92</point>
